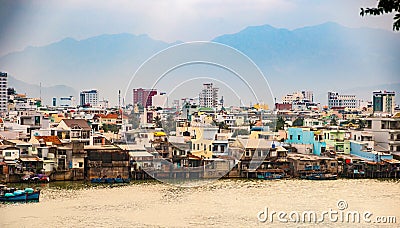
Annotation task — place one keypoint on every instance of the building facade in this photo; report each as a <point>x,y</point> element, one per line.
<point>302,96</point>
<point>89,98</point>
<point>306,141</point>
<point>386,133</point>
<point>383,102</point>
<point>208,96</point>
<point>3,92</point>
<point>343,101</point>
<point>143,97</point>
<point>160,100</point>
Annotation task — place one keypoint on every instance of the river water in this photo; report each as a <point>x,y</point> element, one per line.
<point>222,203</point>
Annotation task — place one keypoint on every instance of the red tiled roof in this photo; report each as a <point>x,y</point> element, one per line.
<point>114,116</point>
<point>101,115</point>
<point>111,116</point>
<point>53,139</point>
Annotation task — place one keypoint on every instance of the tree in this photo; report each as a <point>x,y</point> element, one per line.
<point>222,125</point>
<point>385,7</point>
<point>240,132</point>
<point>252,124</point>
<point>110,128</point>
<point>280,123</point>
<point>157,121</point>
<point>361,124</point>
<point>134,119</point>
<point>298,122</point>
<point>169,124</point>
<point>333,122</point>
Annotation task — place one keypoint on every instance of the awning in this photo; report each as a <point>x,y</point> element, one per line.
<point>10,162</point>
<point>391,161</point>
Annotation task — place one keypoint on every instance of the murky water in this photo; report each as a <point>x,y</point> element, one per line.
<point>224,203</point>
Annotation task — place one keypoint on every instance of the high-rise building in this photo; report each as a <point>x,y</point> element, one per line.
<point>3,92</point>
<point>89,98</point>
<point>160,100</point>
<point>342,101</point>
<point>383,102</point>
<point>143,97</point>
<point>308,95</point>
<point>54,101</point>
<point>67,101</point>
<point>208,96</point>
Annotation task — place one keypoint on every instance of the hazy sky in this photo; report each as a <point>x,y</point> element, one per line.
<point>40,22</point>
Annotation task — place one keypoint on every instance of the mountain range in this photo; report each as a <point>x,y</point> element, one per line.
<point>321,58</point>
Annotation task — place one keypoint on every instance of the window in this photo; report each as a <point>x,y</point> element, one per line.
<point>247,153</point>
<point>8,154</point>
<point>80,164</point>
<point>209,147</point>
<point>291,137</point>
<point>298,137</point>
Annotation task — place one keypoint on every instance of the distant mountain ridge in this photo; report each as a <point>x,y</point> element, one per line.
<point>46,92</point>
<point>320,58</point>
<point>315,51</point>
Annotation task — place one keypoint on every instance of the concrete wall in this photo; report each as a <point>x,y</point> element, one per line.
<point>357,149</point>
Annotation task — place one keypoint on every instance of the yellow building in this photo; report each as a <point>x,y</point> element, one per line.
<point>202,140</point>
<point>261,106</point>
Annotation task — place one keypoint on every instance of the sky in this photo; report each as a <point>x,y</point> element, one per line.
<point>37,23</point>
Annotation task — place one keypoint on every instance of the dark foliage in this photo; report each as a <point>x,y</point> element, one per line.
<point>385,7</point>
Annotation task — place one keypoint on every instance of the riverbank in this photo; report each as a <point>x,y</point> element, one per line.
<point>223,203</point>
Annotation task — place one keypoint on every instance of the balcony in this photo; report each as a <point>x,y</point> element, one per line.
<point>393,130</point>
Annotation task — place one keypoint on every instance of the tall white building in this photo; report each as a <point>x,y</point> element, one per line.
<point>208,96</point>
<point>67,101</point>
<point>342,101</point>
<point>292,97</point>
<point>383,102</point>
<point>3,92</point>
<point>89,97</point>
<point>160,100</point>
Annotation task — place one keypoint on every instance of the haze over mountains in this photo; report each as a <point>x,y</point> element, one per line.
<point>319,58</point>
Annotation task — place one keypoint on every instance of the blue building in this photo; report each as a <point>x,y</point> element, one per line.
<point>360,149</point>
<point>304,136</point>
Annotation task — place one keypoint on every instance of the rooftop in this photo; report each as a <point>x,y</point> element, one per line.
<point>77,122</point>
<point>49,139</point>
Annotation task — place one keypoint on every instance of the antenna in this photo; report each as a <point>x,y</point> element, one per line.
<point>119,100</point>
